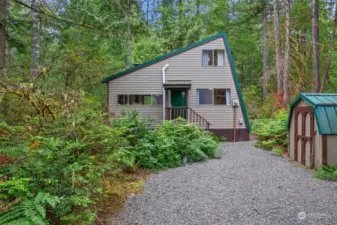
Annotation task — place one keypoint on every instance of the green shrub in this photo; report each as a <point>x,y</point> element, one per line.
<point>66,161</point>
<point>266,144</point>
<point>272,133</point>
<point>169,143</point>
<point>131,126</point>
<point>222,139</point>
<point>74,158</point>
<point>327,173</point>
<point>278,151</point>
<point>30,211</point>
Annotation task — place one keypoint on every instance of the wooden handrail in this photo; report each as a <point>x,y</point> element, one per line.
<point>189,114</point>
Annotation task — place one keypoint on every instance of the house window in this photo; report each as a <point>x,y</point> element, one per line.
<point>204,96</point>
<point>222,96</point>
<point>140,100</point>
<point>122,99</point>
<point>213,96</point>
<point>213,57</point>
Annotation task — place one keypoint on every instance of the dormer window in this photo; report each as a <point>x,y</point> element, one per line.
<point>213,57</point>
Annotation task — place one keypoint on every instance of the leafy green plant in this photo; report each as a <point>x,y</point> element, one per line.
<point>272,133</point>
<point>278,151</point>
<point>74,156</point>
<point>222,139</point>
<point>131,126</point>
<point>327,173</point>
<point>30,211</point>
<point>69,161</point>
<point>16,186</point>
<point>169,143</point>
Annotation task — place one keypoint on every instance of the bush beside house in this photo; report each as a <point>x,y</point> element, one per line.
<point>64,173</point>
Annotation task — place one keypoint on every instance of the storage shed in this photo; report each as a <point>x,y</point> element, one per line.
<point>312,129</point>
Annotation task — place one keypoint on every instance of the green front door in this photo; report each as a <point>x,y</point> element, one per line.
<point>178,103</point>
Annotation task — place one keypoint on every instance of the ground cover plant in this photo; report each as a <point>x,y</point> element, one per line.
<point>327,173</point>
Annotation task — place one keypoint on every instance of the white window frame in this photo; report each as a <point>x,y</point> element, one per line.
<point>212,89</point>
<point>212,50</point>
<point>141,105</point>
<point>198,96</point>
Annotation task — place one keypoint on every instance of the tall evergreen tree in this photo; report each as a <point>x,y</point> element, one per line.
<point>287,53</point>
<point>278,48</point>
<point>315,47</point>
<point>36,32</point>
<point>265,52</point>
<point>4,9</point>
<point>331,48</point>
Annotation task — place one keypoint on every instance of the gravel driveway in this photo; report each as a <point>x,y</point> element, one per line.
<point>247,186</point>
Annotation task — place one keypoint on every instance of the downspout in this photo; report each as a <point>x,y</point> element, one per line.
<point>164,96</point>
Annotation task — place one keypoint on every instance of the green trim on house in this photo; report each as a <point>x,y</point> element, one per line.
<point>236,80</point>
<point>181,50</point>
<point>163,57</point>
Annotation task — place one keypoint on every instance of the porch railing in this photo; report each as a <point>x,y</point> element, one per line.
<point>189,114</point>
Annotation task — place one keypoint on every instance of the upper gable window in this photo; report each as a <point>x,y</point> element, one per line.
<point>213,57</point>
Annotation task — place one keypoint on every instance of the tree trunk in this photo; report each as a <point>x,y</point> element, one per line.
<point>2,46</point>
<point>147,12</point>
<point>129,34</point>
<point>278,49</point>
<point>4,9</point>
<point>36,29</point>
<point>315,47</point>
<point>11,57</point>
<point>265,53</point>
<point>328,59</point>
<point>287,53</point>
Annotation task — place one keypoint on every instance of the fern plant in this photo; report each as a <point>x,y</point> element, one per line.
<point>30,211</point>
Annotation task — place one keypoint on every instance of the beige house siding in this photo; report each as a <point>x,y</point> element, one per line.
<point>184,66</point>
<point>332,149</point>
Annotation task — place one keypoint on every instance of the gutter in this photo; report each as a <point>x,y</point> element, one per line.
<point>164,96</point>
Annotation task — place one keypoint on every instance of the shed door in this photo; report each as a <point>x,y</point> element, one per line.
<point>304,135</point>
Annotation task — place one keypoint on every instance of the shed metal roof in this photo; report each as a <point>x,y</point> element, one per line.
<point>325,107</point>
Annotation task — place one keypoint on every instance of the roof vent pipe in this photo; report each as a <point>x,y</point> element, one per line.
<point>164,96</point>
